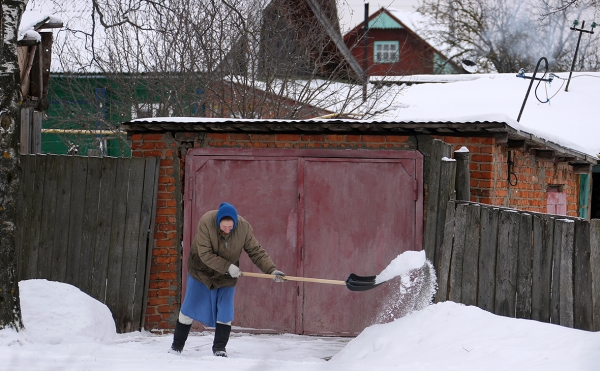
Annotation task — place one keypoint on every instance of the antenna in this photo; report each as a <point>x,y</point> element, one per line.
<point>521,74</point>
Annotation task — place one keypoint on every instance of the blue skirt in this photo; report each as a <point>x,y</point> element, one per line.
<point>208,306</point>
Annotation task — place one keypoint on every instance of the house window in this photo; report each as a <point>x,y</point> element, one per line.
<point>386,51</point>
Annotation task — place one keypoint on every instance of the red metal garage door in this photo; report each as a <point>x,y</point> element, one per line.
<point>320,214</point>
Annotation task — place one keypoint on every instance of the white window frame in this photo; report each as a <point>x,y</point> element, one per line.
<point>386,51</point>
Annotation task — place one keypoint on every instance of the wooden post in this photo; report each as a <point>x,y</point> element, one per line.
<point>541,284</point>
<point>445,194</point>
<point>439,149</point>
<point>470,266</point>
<point>487,258</point>
<point>463,179</point>
<point>582,277</point>
<point>595,267</point>
<point>524,273</point>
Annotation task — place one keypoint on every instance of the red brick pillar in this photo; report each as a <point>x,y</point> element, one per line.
<point>165,281</point>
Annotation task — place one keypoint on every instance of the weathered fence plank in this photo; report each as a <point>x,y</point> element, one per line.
<point>131,251</point>
<point>446,254</point>
<point>471,255</point>
<point>146,234</point>
<point>446,193</point>
<point>506,264</point>
<point>76,215</point>
<point>25,214</point>
<point>49,210</point>
<point>33,240</point>
<point>102,246</point>
<point>61,221</point>
<point>90,224</point>
<point>524,267</point>
<point>582,277</point>
<point>541,284</point>
<point>566,273</point>
<point>595,263</point>
<point>458,252</point>
<point>117,235</point>
<point>557,242</point>
<point>487,258</point>
<point>439,149</point>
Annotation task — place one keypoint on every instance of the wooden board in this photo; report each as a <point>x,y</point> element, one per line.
<point>458,252</point>
<point>487,258</point>
<point>524,267</point>
<point>541,284</point>
<point>582,277</point>
<point>446,253</point>
<point>506,265</point>
<point>470,268</point>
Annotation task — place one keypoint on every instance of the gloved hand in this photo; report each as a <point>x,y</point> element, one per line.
<point>234,271</point>
<point>278,276</point>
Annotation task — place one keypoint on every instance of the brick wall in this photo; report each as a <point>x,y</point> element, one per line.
<point>529,179</point>
<point>165,281</point>
<point>488,185</point>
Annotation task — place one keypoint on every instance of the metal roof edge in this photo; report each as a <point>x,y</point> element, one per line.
<point>498,128</point>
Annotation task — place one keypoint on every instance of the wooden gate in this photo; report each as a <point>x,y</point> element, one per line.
<point>89,222</point>
<point>318,213</point>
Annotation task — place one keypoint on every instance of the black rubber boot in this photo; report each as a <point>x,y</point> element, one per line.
<point>180,336</point>
<point>221,338</point>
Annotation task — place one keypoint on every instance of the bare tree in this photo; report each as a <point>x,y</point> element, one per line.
<point>10,311</point>
<point>213,58</point>
<point>505,36</point>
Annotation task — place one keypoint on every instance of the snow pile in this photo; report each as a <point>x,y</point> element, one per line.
<point>413,290</point>
<point>450,336</point>
<point>58,313</point>
<point>402,264</point>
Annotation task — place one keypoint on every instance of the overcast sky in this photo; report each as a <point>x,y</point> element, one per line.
<point>352,12</point>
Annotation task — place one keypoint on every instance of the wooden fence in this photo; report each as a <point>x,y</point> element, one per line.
<point>521,264</point>
<point>89,222</point>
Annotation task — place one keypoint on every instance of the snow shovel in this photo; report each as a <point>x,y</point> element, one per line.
<point>353,282</point>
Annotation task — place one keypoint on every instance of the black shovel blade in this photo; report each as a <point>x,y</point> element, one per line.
<point>361,283</point>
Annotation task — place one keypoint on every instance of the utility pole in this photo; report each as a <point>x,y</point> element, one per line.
<point>365,52</point>
<point>581,31</point>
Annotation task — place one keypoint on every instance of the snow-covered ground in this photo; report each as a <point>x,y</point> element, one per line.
<point>67,330</point>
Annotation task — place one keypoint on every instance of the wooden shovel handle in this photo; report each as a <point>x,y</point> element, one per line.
<point>292,278</point>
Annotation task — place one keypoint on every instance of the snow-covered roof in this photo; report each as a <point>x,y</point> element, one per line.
<point>566,122</point>
<point>569,119</point>
<point>32,21</point>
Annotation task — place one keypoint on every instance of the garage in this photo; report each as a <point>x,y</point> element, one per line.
<point>318,213</point>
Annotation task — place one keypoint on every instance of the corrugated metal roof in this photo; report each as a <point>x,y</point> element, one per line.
<point>469,127</point>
